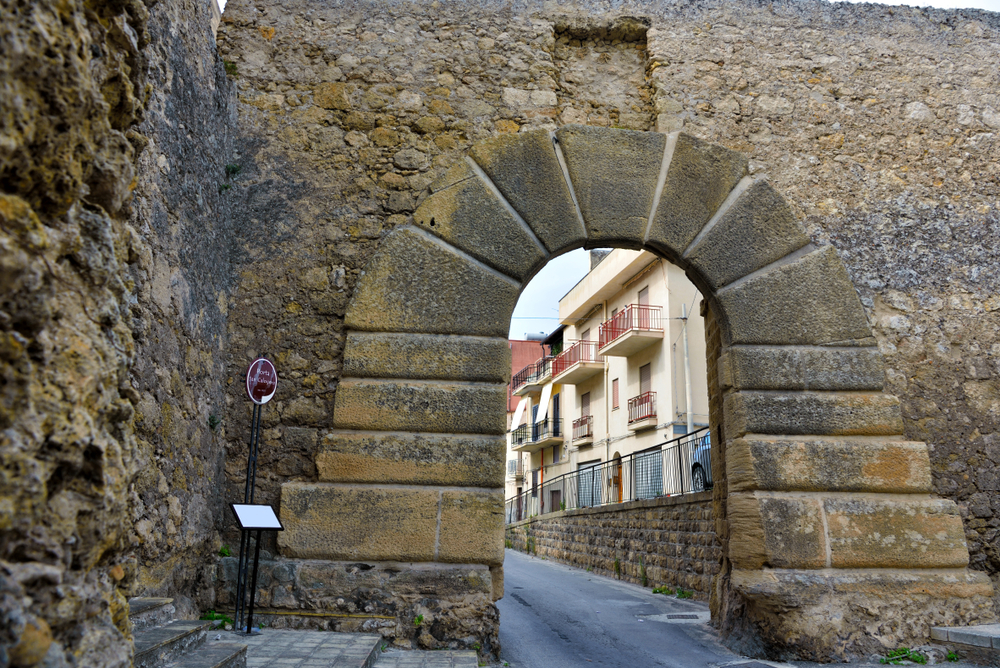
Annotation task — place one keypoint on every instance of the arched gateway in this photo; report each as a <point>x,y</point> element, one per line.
<point>833,546</point>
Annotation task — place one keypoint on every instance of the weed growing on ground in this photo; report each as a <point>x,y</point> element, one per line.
<point>418,620</point>
<point>897,656</point>
<point>684,593</point>
<point>952,657</point>
<point>213,616</point>
<point>642,572</point>
<point>618,569</point>
<point>664,589</point>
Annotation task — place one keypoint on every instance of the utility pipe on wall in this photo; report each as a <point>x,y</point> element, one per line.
<point>687,371</point>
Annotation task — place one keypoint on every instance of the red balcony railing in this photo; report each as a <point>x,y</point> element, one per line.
<point>633,316</point>
<point>583,427</point>
<point>642,407</point>
<point>580,351</point>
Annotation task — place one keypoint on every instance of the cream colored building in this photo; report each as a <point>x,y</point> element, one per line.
<point>611,402</point>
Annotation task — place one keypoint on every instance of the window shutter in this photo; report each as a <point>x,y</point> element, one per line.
<point>614,393</point>
<point>645,379</point>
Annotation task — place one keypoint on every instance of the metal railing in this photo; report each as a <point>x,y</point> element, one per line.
<point>583,427</point>
<point>515,468</point>
<point>534,432</point>
<point>533,373</point>
<point>633,316</point>
<point>580,351</point>
<point>680,466</point>
<point>642,407</point>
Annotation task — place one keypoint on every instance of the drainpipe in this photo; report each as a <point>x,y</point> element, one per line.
<point>687,371</point>
<point>607,388</point>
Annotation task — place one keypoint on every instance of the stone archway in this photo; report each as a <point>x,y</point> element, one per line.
<point>833,546</point>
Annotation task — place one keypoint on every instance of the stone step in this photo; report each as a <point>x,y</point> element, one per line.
<point>154,648</point>
<point>213,655</point>
<point>984,636</point>
<point>396,658</point>
<point>287,648</point>
<point>146,612</point>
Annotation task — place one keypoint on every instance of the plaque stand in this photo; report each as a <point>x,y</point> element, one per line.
<point>244,559</point>
<point>252,519</point>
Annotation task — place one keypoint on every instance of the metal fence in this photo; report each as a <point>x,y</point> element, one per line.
<point>642,407</point>
<point>633,316</point>
<point>535,372</point>
<point>580,351</point>
<point>680,466</point>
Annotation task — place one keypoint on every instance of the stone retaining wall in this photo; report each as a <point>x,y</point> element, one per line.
<point>667,541</point>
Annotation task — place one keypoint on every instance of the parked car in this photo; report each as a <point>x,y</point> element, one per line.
<point>701,462</point>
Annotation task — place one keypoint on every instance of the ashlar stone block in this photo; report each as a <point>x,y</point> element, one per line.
<point>525,168</point>
<point>469,216</point>
<point>472,527</point>
<point>818,413</point>
<point>386,405</point>
<point>418,284</point>
<point>776,532</point>
<point>426,356</point>
<point>699,179</point>
<point>801,368</point>
<point>758,229</point>
<point>614,175</point>
<point>809,300</point>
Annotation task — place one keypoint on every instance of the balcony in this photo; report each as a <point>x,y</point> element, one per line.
<point>583,430</point>
<point>577,363</point>
<point>534,437</point>
<point>515,468</point>
<point>530,379</point>
<point>630,330</point>
<point>642,412</point>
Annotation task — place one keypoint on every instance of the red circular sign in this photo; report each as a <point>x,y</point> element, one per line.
<point>262,381</point>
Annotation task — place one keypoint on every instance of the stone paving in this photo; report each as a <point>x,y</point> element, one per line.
<point>428,659</point>
<point>279,648</point>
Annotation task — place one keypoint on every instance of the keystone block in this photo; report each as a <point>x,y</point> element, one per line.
<point>426,356</point>
<point>614,175</point>
<point>794,368</point>
<point>525,168</point>
<point>819,413</point>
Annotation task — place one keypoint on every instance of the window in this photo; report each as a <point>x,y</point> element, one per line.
<point>585,404</point>
<point>556,500</point>
<point>555,453</point>
<point>645,378</point>
<point>585,335</point>
<point>644,296</point>
<point>614,393</point>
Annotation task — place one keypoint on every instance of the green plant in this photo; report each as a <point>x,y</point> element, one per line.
<point>508,543</point>
<point>897,656</point>
<point>642,572</point>
<point>230,67</point>
<point>618,569</point>
<point>589,569</point>
<point>224,551</point>
<point>213,616</point>
<point>232,170</point>
<point>223,187</point>
<point>382,648</point>
<point>952,657</point>
<point>562,505</point>
<point>683,593</point>
<point>214,421</point>
<point>664,589</point>
<point>418,620</point>
<point>531,549</point>
<point>476,646</point>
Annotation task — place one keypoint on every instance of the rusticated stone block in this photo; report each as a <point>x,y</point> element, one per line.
<point>700,177</point>
<point>465,408</point>
<point>758,229</point>
<point>469,216</point>
<point>425,356</point>
<point>819,413</point>
<point>882,533</point>
<point>789,464</point>
<point>460,171</point>
<point>415,284</point>
<point>614,175</point>
<point>801,368</point>
<point>525,168</point>
<point>325,521</point>
<point>809,300</point>
<point>776,532</point>
<point>465,460</point>
<point>471,527</point>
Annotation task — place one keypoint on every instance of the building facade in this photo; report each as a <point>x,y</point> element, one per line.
<point>602,416</point>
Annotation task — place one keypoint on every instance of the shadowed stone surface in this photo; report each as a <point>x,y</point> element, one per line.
<point>525,168</point>
<point>424,356</point>
<point>325,521</point>
<point>821,413</point>
<point>895,533</point>
<point>758,229</point>
<point>471,527</point>
<point>817,301</point>
<point>777,532</point>
<point>789,368</point>
<point>411,458</point>
<point>838,465</point>
<point>473,408</point>
<point>417,285</point>
<point>614,175</point>
<point>699,179</point>
<point>469,216</point>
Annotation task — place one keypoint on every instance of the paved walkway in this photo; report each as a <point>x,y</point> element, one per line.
<point>425,659</point>
<point>280,648</point>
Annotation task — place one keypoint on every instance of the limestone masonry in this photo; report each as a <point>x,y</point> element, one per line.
<point>359,190</point>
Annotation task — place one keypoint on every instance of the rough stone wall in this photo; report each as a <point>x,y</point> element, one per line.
<point>109,318</point>
<point>667,541</point>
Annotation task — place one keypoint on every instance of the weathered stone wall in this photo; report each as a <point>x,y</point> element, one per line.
<point>667,541</point>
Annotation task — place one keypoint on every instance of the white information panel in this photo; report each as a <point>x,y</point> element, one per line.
<point>252,516</point>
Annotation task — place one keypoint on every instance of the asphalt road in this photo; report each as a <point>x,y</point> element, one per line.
<point>555,616</point>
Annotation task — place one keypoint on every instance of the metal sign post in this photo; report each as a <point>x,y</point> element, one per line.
<point>257,518</point>
<point>261,384</point>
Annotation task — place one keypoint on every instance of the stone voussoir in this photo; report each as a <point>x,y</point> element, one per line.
<point>699,179</point>
<point>469,216</point>
<point>758,229</point>
<point>525,169</point>
<point>466,460</point>
<point>801,368</point>
<point>428,406</point>
<point>787,464</point>
<point>417,284</point>
<point>426,356</point>
<point>816,413</point>
<point>808,300</point>
<point>614,174</point>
